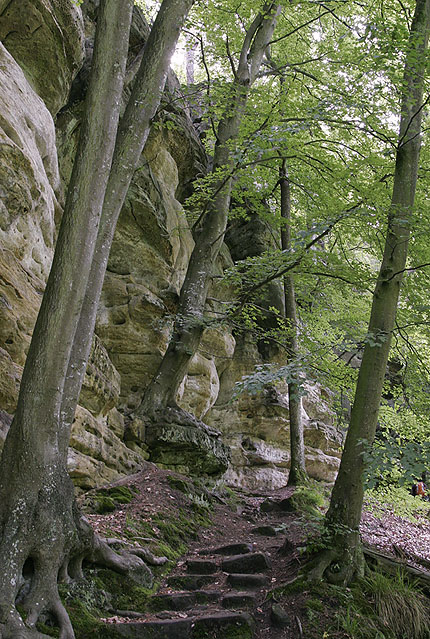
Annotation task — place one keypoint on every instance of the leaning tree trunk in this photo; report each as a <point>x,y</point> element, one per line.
<point>297,473</point>
<point>188,327</point>
<point>133,133</point>
<point>343,560</point>
<point>37,516</point>
<point>41,429</point>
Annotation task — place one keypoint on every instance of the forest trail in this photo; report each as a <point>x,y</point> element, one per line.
<point>231,580</point>
<point>220,587</point>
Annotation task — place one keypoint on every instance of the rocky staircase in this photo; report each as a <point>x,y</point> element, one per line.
<point>214,598</point>
<point>219,589</point>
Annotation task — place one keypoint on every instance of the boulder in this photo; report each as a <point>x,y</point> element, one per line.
<point>188,449</point>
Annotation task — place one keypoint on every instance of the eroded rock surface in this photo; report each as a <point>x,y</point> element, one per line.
<point>256,427</point>
<point>42,54</point>
<point>46,38</point>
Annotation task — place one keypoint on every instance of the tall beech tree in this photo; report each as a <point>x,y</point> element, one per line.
<point>40,524</point>
<point>209,234</point>
<point>342,560</point>
<point>297,474</point>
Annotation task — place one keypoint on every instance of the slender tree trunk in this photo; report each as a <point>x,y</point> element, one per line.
<point>297,447</point>
<point>132,136</point>
<point>37,515</point>
<point>190,57</point>
<point>209,235</point>
<point>39,519</point>
<point>344,560</point>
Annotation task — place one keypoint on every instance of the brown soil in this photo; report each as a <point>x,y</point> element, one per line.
<point>233,522</point>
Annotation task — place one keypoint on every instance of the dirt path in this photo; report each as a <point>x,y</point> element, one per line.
<point>223,586</point>
<point>220,587</point>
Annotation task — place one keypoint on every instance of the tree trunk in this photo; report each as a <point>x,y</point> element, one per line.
<point>209,235</point>
<point>297,473</point>
<point>37,514</point>
<point>132,135</point>
<point>344,559</point>
<point>41,525</point>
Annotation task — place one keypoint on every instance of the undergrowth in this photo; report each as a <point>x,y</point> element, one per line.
<point>164,533</point>
<point>309,499</point>
<point>386,607</point>
<point>397,500</point>
<point>375,607</point>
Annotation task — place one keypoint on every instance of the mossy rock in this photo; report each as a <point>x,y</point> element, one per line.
<point>86,624</point>
<point>106,500</point>
<point>182,485</point>
<point>131,597</point>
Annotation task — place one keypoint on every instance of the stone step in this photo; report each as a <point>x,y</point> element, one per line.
<point>266,531</point>
<point>183,600</point>
<point>251,563</point>
<point>230,549</point>
<point>277,505</point>
<point>162,629</point>
<point>190,582</point>
<point>221,625</point>
<point>217,625</point>
<point>201,566</point>
<point>237,600</point>
<point>172,601</point>
<point>247,580</point>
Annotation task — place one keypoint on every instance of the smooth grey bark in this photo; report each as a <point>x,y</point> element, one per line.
<point>209,234</point>
<point>190,55</point>
<point>132,136</point>
<point>343,561</point>
<point>297,474</point>
<point>38,520</point>
<point>40,498</point>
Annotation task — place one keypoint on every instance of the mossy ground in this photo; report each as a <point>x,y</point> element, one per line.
<point>106,500</point>
<point>180,511</point>
<point>169,514</point>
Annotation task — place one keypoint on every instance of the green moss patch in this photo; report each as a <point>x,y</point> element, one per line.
<point>123,596</point>
<point>106,500</point>
<point>180,484</point>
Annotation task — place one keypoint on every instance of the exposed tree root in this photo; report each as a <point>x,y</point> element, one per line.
<point>140,551</point>
<point>336,565</point>
<point>57,557</point>
<point>337,568</point>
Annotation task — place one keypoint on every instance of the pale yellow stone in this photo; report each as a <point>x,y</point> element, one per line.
<point>10,377</point>
<point>100,449</point>
<point>46,38</point>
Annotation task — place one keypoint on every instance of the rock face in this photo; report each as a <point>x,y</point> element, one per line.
<point>29,209</point>
<point>45,37</point>
<point>43,50</point>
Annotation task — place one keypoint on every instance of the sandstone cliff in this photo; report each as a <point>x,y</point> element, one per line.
<point>44,59</point>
